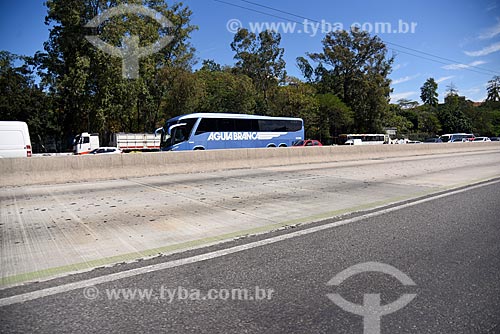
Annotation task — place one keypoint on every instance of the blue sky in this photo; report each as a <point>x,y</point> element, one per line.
<point>465,31</point>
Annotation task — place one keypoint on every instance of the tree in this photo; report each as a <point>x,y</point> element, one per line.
<point>335,115</point>
<point>297,100</point>
<point>428,123</point>
<point>428,92</point>
<point>211,66</point>
<point>451,89</point>
<point>394,118</point>
<point>224,91</point>
<point>357,69</point>
<point>407,104</point>
<point>493,89</point>
<point>261,59</point>
<point>452,115</point>
<point>21,99</point>
<point>87,83</point>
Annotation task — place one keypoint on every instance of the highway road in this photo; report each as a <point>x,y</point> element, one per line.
<point>444,250</point>
<point>52,230</point>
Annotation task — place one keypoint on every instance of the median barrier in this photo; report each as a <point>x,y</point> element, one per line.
<point>63,169</point>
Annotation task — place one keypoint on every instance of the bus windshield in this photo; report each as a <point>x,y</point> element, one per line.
<point>176,132</point>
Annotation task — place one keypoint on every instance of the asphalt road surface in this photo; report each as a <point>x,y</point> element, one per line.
<point>50,230</point>
<point>447,246</point>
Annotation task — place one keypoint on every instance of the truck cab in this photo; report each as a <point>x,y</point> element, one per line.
<point>85,142</point>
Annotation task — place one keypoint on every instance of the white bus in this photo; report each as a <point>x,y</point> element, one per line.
<point>364,139</point>
<point>14,140</point>
<point>460,137</point>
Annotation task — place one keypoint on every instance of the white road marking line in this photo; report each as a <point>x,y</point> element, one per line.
<point>212,255</point>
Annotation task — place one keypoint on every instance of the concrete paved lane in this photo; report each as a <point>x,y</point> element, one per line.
<point>448,246</point>
<point>52,230</point>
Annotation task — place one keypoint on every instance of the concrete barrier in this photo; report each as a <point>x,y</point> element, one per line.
<point>63,169</point>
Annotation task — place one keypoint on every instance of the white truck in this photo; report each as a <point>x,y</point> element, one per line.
<point>85,143</point>
<point>15,140</point>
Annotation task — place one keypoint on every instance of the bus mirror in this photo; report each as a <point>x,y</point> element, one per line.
<point>158,131</point>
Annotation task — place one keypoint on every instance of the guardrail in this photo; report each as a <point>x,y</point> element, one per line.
<point>63,169</point>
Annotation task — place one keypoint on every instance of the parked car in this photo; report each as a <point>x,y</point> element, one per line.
<point>477,139</point>
<point>433,140</point>
<point>307,142</point>
<point>106,150</point>
<point>495,138</point>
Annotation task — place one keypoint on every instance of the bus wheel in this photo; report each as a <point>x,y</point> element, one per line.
<point>271,146</point>
<point>198,149</point>
<point>283,145</point>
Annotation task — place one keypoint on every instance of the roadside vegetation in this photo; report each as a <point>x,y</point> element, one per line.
<point>71,87</point>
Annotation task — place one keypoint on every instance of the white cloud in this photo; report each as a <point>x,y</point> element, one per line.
<point>490,32</point>
<point>491,6</point>
<point>399,66</point>
<point>485,51</point>
<point>463,66</point>
<point>404,95</point>
<point>473,90</point>
<point>405,79</point>
<point>477,93</point>
<point>444,79</point>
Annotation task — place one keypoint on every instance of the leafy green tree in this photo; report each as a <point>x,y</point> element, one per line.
<point>394,118</point>
<point>211,66</point>
<point>184,94</point>
<point>21,99</point>
<point>452,115</point>
<point>16,85</point>
<point>224,91</point>
<point>260,58</point>
<point>297,100</point>
<point>335,115</point>
<point>428,122</point>
<point>407,104</point>
<point>493,89</point>
<point>428,92</point>
<point>87,83</point>
<point>357,72</point>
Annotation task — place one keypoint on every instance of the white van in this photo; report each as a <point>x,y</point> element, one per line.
<point>14,140</point>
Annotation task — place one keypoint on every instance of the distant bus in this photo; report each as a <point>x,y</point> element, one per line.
<point>457,137</point>
<point>209,131</point>
<point>363,139</point>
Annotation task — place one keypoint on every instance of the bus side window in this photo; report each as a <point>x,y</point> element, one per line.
<point>226,125</point>
<point>246,125</point>
<point>207,125</point>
